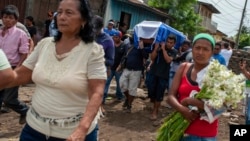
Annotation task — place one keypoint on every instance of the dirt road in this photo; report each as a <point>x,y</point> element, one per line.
<point>117,125</point>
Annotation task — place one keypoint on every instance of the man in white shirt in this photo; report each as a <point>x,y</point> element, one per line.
<point>226,52</point>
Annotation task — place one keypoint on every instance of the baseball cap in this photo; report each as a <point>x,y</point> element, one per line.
<point>118,33</point>
<point>111,22</point>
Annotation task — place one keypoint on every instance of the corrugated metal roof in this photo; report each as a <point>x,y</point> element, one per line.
<point>146,7</point>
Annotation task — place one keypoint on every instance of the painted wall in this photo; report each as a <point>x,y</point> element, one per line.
<point>114,9</point>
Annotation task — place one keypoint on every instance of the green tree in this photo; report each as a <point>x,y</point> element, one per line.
<point>245,30</point>
<point>244,37</point>
<point>184,17</point>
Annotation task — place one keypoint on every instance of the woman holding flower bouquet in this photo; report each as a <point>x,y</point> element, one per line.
<point>184,82</point>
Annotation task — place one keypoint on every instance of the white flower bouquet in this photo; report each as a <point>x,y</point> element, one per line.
<point>219,88</point>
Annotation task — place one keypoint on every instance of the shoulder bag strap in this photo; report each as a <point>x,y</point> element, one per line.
<point>129,50</point>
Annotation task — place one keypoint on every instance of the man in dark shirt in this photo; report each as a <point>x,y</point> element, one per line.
<point>161,57</point>
<point>47,23</point>
<point>185,55</point>
<point>30,25</point>
<point>107,42</point>
<point>131,75</point>
<point>120,49</point>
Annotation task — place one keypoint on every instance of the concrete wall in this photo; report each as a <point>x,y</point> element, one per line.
<point>98,6</point>
<point>235,59</point>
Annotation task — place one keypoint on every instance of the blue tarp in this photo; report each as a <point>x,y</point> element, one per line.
<point>157,30</point>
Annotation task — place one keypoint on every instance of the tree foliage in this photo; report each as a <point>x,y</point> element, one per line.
<point>244,37</point>
<point>245,30</point>
<point>185,18</point>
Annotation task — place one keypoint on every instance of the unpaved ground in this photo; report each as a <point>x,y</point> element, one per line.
<point>117,125</point>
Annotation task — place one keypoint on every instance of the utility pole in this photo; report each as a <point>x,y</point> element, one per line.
<point>241,22</point>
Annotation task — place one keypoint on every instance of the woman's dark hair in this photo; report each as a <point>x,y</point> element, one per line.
<point>30,18</point>
<point>10,10</point>
<point>86,33</point>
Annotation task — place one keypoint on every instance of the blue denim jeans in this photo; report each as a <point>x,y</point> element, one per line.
<point>118,93</point>
<point>196,138</point>
<point>247,112</point>
<point>171,77</point>
<point>30,134</point>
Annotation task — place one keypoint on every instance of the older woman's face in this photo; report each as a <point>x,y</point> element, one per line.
<point>202,51</point>
<point>69,18</point>
<point>9,20</point>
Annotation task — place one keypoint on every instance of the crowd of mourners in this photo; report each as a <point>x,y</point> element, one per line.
<point>74,62</point>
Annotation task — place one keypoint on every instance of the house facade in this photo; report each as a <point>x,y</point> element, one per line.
<point>132,12</point>
<point>206,10</point>
<point>219,35</point>
<point>129,12</point>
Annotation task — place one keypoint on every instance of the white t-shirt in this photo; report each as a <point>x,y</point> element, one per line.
<point>62,84</point>
<point>226,54</point>
<point>4,63</point>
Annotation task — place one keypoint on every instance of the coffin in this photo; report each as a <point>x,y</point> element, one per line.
<point>151,32</point>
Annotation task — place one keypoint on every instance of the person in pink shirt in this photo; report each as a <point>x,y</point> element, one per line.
<point>15,44</point>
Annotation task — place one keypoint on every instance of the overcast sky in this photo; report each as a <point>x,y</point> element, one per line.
<point>229,19</point>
